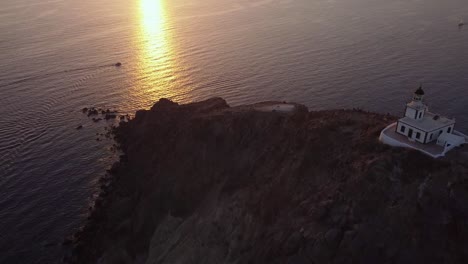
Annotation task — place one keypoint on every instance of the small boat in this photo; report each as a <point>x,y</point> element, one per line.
<point>118,64</point>
<point>461,24</point>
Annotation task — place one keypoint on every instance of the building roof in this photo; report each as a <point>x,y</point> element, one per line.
<point>429,122</point>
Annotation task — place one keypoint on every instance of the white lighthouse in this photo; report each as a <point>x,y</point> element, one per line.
<point>419,124</point>
<point>420,129</point>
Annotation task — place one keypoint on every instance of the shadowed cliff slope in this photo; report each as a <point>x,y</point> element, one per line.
<point>207,183</point>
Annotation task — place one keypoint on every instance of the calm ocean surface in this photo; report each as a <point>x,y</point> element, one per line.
<point>56,57</point>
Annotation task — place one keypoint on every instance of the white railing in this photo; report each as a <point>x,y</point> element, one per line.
<point>458,133</point>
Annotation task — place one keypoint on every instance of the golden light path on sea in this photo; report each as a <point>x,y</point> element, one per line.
<point>153,20</point>
<point>156,56</point>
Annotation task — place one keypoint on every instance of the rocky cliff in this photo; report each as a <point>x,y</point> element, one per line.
<point>207,183</point>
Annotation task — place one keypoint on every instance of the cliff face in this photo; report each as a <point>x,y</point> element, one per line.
<point>206,183</point>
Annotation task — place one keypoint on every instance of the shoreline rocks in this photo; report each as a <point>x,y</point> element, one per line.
<point>106,114</point>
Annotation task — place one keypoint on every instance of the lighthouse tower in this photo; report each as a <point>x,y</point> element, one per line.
<point>416,108</point>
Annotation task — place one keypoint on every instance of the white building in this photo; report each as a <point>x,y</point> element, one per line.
<point>420,129</point>
<point>422,126</point>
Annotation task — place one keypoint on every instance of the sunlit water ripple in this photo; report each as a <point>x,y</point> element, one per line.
<point>57,57</point>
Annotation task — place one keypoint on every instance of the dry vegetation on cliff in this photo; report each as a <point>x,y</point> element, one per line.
<point>207,183</point>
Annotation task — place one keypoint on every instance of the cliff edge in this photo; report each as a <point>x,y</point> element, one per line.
<point>209,183</point>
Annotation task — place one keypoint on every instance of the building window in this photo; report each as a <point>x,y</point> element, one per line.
<point>402,129</point>
<point>418,135</point>
<point>440,132</point>
<point>420,115</point>
<point>449,129</point>
<point>430,137</point>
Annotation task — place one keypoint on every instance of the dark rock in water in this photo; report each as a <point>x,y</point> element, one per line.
<point>110,116</point>
<point>96,119</point>
<point>84,110</point>
<point>208,183</point>
<point>92,111</point>
<point>118,64</point>
<point>79,127</point>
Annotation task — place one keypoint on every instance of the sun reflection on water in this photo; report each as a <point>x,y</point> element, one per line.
<point>156,60</point>
<point>153,19</point>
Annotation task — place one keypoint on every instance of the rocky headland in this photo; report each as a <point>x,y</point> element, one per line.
<point>209,183</point>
